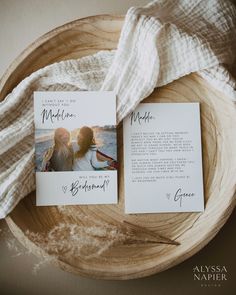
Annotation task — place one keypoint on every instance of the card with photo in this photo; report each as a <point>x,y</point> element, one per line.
<point>75,147</point>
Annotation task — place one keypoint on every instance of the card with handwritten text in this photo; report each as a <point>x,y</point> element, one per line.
<point>75,147</point>
<point>163,158</point>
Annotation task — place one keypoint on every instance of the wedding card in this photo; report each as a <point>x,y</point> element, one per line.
<point>163,158</point>
<point>75,147</point>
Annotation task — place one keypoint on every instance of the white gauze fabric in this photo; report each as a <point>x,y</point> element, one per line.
<point>159,43</point>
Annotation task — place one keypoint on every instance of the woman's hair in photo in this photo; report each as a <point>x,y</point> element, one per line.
<point>61,143</point>
<point>85,139</point>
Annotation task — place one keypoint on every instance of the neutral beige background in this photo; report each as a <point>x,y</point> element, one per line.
<point>21,22</point>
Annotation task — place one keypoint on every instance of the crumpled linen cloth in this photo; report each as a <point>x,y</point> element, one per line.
<point>159,43</point>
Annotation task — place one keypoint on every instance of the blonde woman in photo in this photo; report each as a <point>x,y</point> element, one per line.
<point>85,157</point>
<point>60,156</point>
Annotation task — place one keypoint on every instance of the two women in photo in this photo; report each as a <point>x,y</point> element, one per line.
<point>81,155</point>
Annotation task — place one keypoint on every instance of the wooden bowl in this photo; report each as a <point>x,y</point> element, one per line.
<point>192,230</point>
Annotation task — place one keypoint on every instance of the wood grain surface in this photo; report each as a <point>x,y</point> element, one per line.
<point>127,246</point>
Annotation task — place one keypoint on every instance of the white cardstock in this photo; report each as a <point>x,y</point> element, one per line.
<point>63,177</point>
<point>163,158</point>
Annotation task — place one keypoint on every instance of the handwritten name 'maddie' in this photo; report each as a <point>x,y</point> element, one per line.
<point>58,115</point>
<point>141,118</point>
